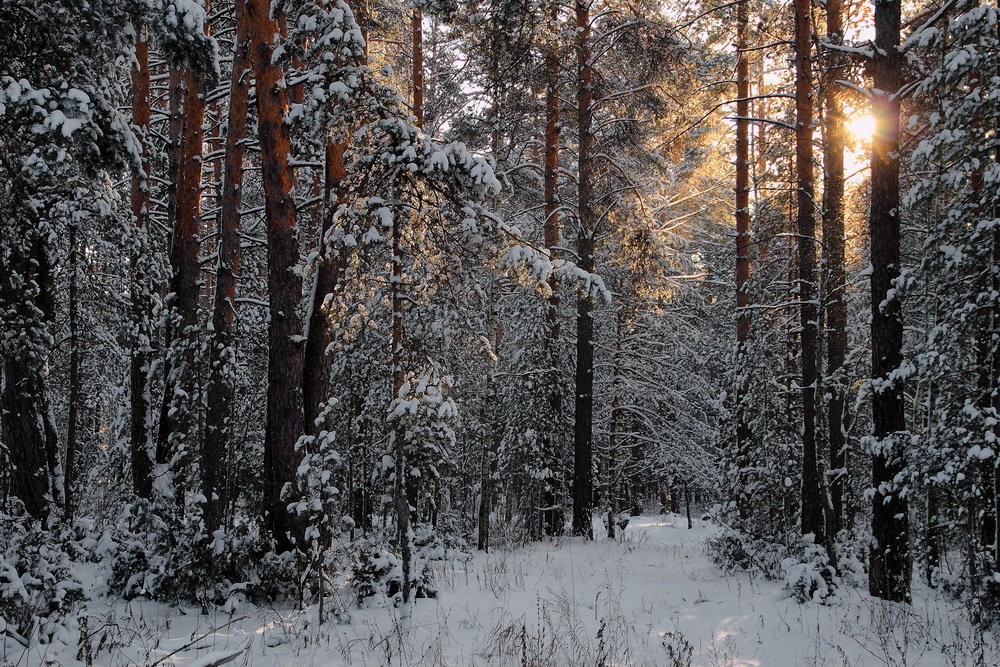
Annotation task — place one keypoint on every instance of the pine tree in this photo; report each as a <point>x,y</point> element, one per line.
<point>285,410</point>
<point>812,497</point>
<point>889,562</point>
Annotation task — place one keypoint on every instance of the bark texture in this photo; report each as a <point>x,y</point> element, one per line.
<point>222,362</point>
<point>834,279</point>
<point>285,413</point>
<point>742,218</point>
<point>812,497</point>
<point>329,271</point>
<point>583,476</point>
<point>176,412</point>
<point>889,566</point>
<point>140,447</point>
<point>552,515</point>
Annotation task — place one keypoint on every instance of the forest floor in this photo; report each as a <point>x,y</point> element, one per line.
<point>650,598</point>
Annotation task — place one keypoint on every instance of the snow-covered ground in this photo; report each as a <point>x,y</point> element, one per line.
<point>652,598</point>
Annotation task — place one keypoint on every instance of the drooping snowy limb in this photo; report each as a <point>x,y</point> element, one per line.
<point>769,121</point>
<point>919,33</point>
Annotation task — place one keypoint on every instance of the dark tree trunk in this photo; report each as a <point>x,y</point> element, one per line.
<point>812,497</point>
<point>687,505</point>
<point>75,382</point>
<point>23,401</point>
<point>834,281</point>
<point>995,360</point>
<point>140,447</point>
<point>933,538</point>
<point>222,362</point>
<point>614,454</point>
<point>889,560</point>
<point>552,517</point>
<point>175,127</point>
<point>491,444</point>
<point>993,476</point>
<point>486,469</point>
<point>583,482</point>
<point>285,413</point>
<point>329,270</point>
<point>988,358</point>
<point>25,423</point>
<point>46,302</point>
<point>402,490</point>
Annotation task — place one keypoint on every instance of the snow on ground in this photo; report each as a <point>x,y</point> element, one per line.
<point>653,598</point>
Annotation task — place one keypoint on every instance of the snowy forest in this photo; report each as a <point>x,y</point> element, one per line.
<point>527,332</point>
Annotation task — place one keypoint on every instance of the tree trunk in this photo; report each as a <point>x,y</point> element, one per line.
<point>25,422</point>
<point>834,279</point>
<point>401,487</point>
<point>490,442</point>
<point>417,27</point>
<point>687,505</point>
<point>995,361</point>
<point>176,413</point>
<point>140,447</point>
<point>889,562</point>
<point>933,538</point>
<point>285,413</point>
<point>22,426</point>
<point>812,497</point>
<point>404,488</point>
<point>994,474</point>
<point>615,423</point>
<point>742,219</point>
<point>486,469</point>
<point>583,482</point>
<point>329,270</point>
<point>552,519</point>
<point>222,362</point>
<point>73,418</point>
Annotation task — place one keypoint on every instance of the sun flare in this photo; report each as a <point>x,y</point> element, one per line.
<point>861,127</point>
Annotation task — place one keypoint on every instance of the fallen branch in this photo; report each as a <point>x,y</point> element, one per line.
<point>198,639</point>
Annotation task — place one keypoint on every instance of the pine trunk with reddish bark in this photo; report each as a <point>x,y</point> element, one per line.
<point>220,390</point>
<point>417,28</point>
<point>140,447</point>
<point>285,413</point>
<point>176,413</point>
<point>329,271</point>
<point>742,219</point>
